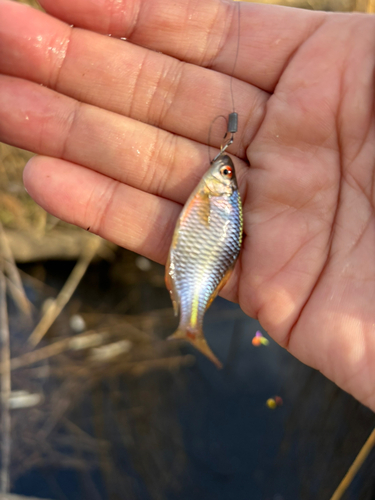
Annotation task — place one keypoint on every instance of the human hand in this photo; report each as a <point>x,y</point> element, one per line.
<point>123,131</point>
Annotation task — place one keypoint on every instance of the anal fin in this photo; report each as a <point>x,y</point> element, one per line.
<point>170,286</point>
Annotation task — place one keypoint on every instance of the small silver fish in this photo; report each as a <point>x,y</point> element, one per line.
<point>205,246</point>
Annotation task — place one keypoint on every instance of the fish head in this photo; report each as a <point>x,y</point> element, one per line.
<point>221,177</point>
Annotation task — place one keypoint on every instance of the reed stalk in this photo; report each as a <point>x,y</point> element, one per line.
<point>66,292</point>
<point>5,386</point>
<point>353,469</point>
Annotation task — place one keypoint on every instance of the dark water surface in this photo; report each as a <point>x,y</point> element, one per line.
<point>108,431</point>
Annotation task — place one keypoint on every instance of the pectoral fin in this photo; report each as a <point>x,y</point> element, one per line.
<point>201,199</point>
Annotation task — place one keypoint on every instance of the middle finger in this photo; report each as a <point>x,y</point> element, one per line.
<point>38,119</point>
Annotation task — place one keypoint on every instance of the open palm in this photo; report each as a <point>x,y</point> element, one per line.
<point>123,128</point>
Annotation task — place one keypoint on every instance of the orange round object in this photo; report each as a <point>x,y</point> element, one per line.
<point>256,341</point>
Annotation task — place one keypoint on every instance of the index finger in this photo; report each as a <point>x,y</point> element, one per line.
<point>203,33</point>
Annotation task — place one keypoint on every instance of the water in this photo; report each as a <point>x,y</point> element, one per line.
<point>175,431</point>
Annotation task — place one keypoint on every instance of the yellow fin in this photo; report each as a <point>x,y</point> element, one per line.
<point>170,285</point>
<point>219,287</point>
<point>196,338</point>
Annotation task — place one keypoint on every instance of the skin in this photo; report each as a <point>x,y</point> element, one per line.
<point>122,131</point>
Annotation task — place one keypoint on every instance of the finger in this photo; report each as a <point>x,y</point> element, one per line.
<point>135,220</point>
<point>138,221</point>
<point>40,120</point>
<point>269,35</point>
<point>124,78</point>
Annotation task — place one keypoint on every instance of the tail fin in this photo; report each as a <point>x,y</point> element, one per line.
<point>196,338</point>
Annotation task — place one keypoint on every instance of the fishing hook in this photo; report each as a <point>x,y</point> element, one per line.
<point>231,129</point>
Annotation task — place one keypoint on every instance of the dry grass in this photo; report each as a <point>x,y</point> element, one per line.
<point>32,3</point>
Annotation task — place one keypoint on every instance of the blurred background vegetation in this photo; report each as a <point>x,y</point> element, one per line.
<point>89,386</point>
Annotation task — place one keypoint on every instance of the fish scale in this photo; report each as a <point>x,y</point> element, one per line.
<point>205,246</point>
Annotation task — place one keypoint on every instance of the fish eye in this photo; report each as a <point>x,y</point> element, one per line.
<point>227,171</point>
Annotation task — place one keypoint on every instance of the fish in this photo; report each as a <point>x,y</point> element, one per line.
<point>205,246</point>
